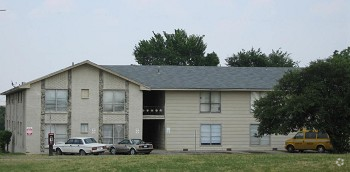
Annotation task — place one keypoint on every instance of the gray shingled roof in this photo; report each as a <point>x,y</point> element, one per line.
<point>201,77</point>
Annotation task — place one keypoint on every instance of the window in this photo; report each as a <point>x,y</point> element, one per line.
<point>255,139</point>
<point>322,135</point>
<point>78,141</point>
<point>299,135</point>
<point>56,100</point>
<point>113,101</point>
<point>113,133</point>
<point>210,134</point>
<point>20,128</point>
<point>210,102</point>
<point>90,140</point>
<point>310,135</point>
<point>60,131</point>
<point>85,93</point>
<point>84,128</point>
<point>253,97</point>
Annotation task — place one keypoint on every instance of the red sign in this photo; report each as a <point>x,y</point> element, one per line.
<point>29,131</point>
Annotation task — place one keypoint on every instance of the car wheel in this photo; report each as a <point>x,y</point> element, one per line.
<point>320,149</point>
<point>82,152</point>
<point>113,151</point>
<point>132,152</point>
<point>291,148</point>
<point>58,151</point>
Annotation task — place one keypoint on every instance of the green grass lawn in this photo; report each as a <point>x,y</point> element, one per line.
<point>178,162</point>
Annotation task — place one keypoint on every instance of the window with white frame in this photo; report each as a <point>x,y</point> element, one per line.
<point>113,100</point>
<point>59,130</point>
<point>113,133</point>
<point>84,128</point>
<point>210,102</point>
<point>255,140</point>
<point>255,96</point>
<point>56,100</point>
<point>210,134</point>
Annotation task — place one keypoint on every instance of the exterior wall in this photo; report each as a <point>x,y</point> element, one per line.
<point>183,120</point>
<point>85,110</point>
<point>135,111</point>
<point>80,110</point>
<point>32,116</point>
<point>14,121</point>
<point>111,82</point>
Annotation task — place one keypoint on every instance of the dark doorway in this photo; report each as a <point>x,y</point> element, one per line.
<point>153,131</point>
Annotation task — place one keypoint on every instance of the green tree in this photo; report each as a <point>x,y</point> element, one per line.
<point>280,59</point>
<point>174,49</point>
<point>5,138</point>
<point>2,118</point>
<point>256,58</point>
<point>316,97</point>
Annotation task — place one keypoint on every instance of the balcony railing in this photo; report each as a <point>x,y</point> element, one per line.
<point>153,110</point>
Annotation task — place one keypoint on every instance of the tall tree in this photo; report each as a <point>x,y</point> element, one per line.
<point>316,97</point>
<point>174,49</point>
<point>280,59</point>
<point>256,58</point>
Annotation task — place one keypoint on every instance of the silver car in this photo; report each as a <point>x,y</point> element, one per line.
<point>131,146</point>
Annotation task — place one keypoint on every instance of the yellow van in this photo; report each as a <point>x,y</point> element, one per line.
<point>309,140</point>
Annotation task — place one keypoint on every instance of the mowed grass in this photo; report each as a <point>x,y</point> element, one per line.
<point>177,162</point>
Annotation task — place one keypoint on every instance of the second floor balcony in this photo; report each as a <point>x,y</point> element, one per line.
<point>153,110</point>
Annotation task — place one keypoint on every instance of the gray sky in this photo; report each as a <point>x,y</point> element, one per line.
<point>38,37</point>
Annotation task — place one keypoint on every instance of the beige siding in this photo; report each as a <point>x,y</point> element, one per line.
<point>85,110</point>
<point>113,82</point>
<point>183,121</point>
<point>59,81</point>
<point>33,111</point>
<point>135,111</point>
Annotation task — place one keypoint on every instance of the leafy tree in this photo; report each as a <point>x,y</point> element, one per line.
<point>255,58</point>
<point>251,58</point>
<point>2,118</point>
<point>5,138</point>
<point>316,97</point>
<point>280,59</point>
<point>174,49</point>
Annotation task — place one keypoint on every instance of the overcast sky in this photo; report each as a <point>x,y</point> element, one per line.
<point>38,37</point>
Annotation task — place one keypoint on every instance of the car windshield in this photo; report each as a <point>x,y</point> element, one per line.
<point>137,141</point>
<point>89,140</point>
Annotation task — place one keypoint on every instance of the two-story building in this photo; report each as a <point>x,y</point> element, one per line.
<point>174,107</point>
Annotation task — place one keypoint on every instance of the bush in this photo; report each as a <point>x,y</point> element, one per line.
<point>5,138</point>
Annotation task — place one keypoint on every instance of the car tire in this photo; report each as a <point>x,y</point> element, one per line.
<point>132,151</point>
<point>58,151</point>
<point>82,153</point>
<point>320,149</point>
<point>113,151</point>
<point>290,148</point>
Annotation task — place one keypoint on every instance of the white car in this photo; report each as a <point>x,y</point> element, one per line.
<point>81,146</point>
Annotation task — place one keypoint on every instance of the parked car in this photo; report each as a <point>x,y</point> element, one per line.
<point>309,140</point>
<point>131,146</point>
<point>80,145</point>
